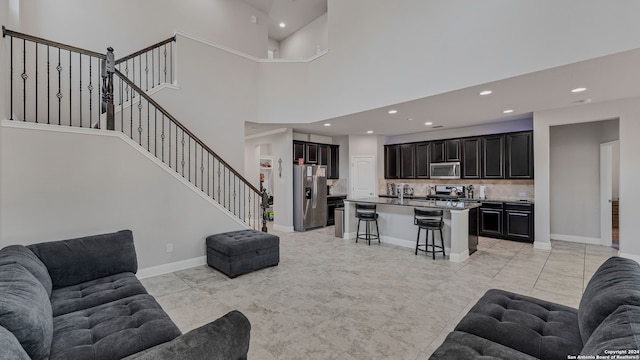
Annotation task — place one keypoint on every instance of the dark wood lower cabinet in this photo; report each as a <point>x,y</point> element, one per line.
<point>518,222</point>
<point>510,221</point>
<point>491,215</point>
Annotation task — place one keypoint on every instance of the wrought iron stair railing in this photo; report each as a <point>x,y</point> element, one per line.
<point>76,80</point>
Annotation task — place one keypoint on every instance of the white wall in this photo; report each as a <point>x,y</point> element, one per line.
<point>281,143</point>
<point>628,113</point>
<point>307,41</point>
<point>384,52</point>
<point>575,179</point>
<point>130,26</point>
<point>76,184</point>
<point>217,95</point>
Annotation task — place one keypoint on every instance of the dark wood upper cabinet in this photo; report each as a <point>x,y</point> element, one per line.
<point>311,153</point>
<point>453,150</point>
<point>493,157</point>
<point>422,160</point>
<point>445,150</point>
<point>471,162</point>
<point>519,155</point>
<point>334,162</point>
<point>298,151</point>
<point>438,151</point>
<point>323,154</point>
<point>391,161</point>
<point>407,161</point>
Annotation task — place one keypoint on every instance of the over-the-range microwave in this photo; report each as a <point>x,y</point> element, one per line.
<point>447,170</point>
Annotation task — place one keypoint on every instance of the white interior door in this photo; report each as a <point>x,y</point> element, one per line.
<point>606,191</point>
<point>363,177</point>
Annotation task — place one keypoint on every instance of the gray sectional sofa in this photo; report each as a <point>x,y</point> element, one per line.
<point>505,325</point>
<point>80,299</point>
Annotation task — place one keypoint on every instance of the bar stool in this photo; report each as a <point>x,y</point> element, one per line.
<point>429,220</point>
<point>367,213</point>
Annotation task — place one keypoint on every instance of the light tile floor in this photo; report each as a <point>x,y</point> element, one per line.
<point>331,298</point>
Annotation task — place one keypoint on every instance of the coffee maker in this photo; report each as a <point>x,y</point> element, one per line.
<point>391,189</point>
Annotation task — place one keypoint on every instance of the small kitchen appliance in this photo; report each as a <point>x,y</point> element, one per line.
<point>447,192</point>
<point>391,189</point>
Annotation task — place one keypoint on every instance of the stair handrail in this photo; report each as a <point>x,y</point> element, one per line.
<point>183,128</point>
<point>107,67</point>
<point>148,48</point>
<point>42,41</point>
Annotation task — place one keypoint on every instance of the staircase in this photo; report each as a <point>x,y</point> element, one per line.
<point>62,85</point>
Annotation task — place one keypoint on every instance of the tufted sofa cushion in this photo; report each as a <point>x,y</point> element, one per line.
<point>95,292</point>
<point>111,331</point>
<point>74,261</point>
<point>242,241</point>
<point>25,257</point>
<point>25,310</point>
<point>460,345</point>
<point>619,331</point>
<point>10,347</point>
<point>615,283</point>
<point>535,327</point>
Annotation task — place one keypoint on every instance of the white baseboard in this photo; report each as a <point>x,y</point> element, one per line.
<point>577,239</point>
<point>170,267</point>
<point>287,229</point>
<point>459,257</point>
<point>541,245</point>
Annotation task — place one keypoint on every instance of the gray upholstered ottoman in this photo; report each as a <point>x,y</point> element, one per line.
<point>240,252</point>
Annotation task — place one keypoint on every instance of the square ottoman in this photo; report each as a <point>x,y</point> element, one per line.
<point>243,251</point>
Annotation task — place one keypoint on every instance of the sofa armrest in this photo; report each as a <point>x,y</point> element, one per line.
<point>74,261</point>
<point>226,338</point>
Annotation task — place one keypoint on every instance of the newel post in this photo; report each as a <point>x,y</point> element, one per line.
<point>108,68</point>
<point>264,205</point>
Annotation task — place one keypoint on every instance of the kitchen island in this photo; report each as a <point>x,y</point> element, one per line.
<point>397,228</point>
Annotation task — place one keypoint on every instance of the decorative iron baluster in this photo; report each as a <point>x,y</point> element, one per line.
<point>80,94</point>
<point>182,142</point>
<point>90,88</point>
<point>201,168</point>
<point>24,77</point>
<point>153,69</point>
<point>59,94</point>
<point>189,163</point>
<point>219,183</point>
<point>162,141</point>
<point>48,86</point>
<point>165,63</point>
<point>155,133</point>
<point>11,80</point>
<point>146,70</point>
<point>234,195</point>
<point>70,89</point>
<point>36,87</point>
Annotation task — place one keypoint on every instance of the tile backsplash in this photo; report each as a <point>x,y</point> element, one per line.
<point>494,189</point>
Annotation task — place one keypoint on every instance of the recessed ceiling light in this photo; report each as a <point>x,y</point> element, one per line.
<point>577,90</point>
<point>327,124</point>
<point>428,123</point>
<point>410,119</point>
<point>369,131</point>
<point>282,24</point>
<point>507,111</point>
<point>485,92</point>
<point>392,111</point>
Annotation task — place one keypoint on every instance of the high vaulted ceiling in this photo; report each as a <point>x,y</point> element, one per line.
<point>606,78</point>
<point>294,13</point>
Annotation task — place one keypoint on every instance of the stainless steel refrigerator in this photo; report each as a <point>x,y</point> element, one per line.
<point>309,197</point>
